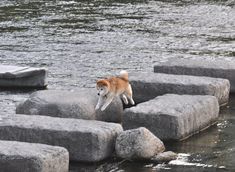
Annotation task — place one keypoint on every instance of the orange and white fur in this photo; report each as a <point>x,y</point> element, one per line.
<point>112,87</point>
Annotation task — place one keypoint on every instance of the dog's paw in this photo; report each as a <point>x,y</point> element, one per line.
<point>103,108</point>
<point>97,107</point>
<point>125,101</point>
<point>132,102</point>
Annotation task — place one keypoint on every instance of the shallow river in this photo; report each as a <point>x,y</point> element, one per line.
<point>80,41</point>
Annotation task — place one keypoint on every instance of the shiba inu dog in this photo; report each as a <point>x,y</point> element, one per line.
<point>112,87</point>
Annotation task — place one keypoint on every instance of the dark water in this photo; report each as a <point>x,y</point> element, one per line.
<point>80,41</point>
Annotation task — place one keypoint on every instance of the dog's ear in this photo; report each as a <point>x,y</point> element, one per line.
<point>102,83</point>
<point>98,82</point>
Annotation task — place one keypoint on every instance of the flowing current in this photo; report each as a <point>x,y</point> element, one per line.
<point>79,41</point>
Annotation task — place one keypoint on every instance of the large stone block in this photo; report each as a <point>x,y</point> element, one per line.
<point>14,76</point>
<point>86,140</point>
<point>70,104</point>
<point>31,157</point>
<point>173,117</point>
<point>147,86</point>
<point>216,68</point>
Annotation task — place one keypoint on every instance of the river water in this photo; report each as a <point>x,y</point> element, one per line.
<point>80,41</point>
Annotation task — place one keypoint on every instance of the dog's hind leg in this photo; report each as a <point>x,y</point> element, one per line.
<point>124,99</point>
<point>128,94</point>
<point>100,101</point>
<point>107,102</point>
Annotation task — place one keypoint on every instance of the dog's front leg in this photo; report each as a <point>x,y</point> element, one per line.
<point>107,102</point>
<point>124,99</point>
<point>100,101</point>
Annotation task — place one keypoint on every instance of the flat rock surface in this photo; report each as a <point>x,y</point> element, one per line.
<point>138,143</point>
<point>79,104</point>
<point>147,86</point>
<point>86,140</point>
<point>31,157</point>
<point>15,76</point>
<point>215,68</point>
<point>173,117</point>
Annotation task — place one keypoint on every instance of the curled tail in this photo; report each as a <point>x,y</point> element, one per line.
<point>124,75</point>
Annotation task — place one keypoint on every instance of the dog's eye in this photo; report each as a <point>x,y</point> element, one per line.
<point>101,89</point>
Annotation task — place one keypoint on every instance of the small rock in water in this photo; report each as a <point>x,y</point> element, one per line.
<point>138,143</point>
<point>164,157</point>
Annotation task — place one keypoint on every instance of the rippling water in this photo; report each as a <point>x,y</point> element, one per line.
<point>80,41</point>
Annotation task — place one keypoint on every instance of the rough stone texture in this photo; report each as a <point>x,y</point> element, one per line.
<point>164,157</point>
<point>31,157</point>
<point>86,140</point>
<point>147,86</point>
<point>216,68</point>
<point>173,117</point>
<point>70,104</point>
<point>138,143</point>
<point>14,76</point>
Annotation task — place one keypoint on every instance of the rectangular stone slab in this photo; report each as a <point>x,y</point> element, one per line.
<point>147,86</point>
<point>15,76</point>
<point>74,104</point>
<point>31,157</point>
<point>173,117</point>
<point>217,68</point>
<point>86,140</point>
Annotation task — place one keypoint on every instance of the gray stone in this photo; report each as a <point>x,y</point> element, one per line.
<point>86,140</point>
<point>32,157</point>
<point>216,68</point>
<point>70,104</point>
<point>138,143</point>
<point>164,157</point>
<point>147,86</point>
<point>173,117</point>
<point>14,76</point>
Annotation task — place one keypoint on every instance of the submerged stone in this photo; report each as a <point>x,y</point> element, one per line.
<point>164,157</point>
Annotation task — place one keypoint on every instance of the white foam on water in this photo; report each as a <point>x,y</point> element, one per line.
<point>148,166</point>
<point>66,2</point>
<point>161,166</point>
<point>182,159</point>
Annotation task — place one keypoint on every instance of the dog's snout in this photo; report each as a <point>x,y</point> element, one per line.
<point>98,94</point>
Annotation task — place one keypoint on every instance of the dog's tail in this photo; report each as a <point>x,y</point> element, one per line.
<point>124,75</point>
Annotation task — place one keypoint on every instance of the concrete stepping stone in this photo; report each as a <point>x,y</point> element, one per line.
<point>173,117</point>
<point>86,140</point>
<point>15,76</point>
<point>31,157</point>
<point>70,104</point>
<point>147,86</point>
<point>216,68</point>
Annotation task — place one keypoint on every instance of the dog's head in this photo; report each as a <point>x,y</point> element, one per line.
<point>102,87</point>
